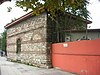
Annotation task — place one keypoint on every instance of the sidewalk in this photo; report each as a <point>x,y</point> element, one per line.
<point>11,68</point>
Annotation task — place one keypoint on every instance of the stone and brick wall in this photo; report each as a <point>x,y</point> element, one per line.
<point>35,48</point>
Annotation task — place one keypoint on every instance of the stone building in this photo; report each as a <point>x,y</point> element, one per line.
<point>29,39</point>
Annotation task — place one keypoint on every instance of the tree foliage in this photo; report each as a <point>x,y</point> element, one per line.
<point>3,41</point>
<point>9,9</point>
<point>57,10</point>
<point>76,7</point>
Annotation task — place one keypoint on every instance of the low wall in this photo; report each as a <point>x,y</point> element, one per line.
<point>82,57</point>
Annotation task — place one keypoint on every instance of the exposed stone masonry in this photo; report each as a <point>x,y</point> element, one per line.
<point>35,49</point>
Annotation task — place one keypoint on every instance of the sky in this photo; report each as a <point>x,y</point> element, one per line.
<point>94,9</point>
<point>6,17</point>
<point>16,12</point>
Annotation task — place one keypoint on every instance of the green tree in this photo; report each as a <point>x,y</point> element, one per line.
<point>3,41</point>
<point>56,8</point>
<point>76,7</point>
<point>0,42</point>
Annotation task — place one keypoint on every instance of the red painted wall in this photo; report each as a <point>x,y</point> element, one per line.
<point>82,57</point>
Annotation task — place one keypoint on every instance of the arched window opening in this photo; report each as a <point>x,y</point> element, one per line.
<point>18,46</point>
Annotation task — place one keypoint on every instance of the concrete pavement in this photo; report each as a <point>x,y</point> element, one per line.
<point>11,68</point>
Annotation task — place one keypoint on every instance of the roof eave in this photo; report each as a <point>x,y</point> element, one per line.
<point>19,19</point>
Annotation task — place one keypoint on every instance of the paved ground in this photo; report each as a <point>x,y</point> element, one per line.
<point>11,68</point>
